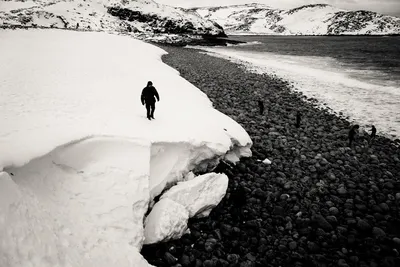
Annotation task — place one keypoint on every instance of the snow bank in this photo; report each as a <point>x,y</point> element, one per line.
<point>94,193</point>
<point>59,86</point>
<point>83,160</point>
<point>200,194</point>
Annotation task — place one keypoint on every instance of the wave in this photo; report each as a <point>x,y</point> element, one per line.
<point>245,44</point>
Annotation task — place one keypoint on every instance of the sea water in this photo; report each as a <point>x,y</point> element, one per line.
<point>357,76</point>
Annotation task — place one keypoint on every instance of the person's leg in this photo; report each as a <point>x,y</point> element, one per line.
<point>371,138</point>
<point>148,110</point>
<point>153,107</point>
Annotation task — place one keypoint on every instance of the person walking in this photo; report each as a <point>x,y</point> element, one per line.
<point>373,134</point>
<point>352,134</point>
<point>261,106</point>
<point>298,119</point>
<point>148,97</point>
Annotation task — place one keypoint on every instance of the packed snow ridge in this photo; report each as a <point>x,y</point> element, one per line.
<point>141,18</point>
<point>80,164</point>
<point>317,19</point>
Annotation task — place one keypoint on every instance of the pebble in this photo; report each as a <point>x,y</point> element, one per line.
<point>171,260</point>
<point>342,263</point>
<point>384,207</point>
<point>334,211</point>
<point>332,219</point>
<point>210,244</point>
<point>313,247</point>
<point>185,260</point>
<point>342,191</point>
<point>396,240</point>
<point>250,257</point>
<point>233,258</point>
<point>323,223</point>
<point>293,245</point>
<point>378,232</point>
<point>363,225</point>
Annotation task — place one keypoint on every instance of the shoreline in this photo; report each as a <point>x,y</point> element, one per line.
<point>318,203</point>
<point>308,97</point>
<point>334,96</point>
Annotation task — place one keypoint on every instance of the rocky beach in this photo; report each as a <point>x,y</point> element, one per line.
<point>318,203</point>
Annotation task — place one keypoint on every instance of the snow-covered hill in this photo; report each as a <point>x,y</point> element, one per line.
<point>140,16</point>
<point>319,19</point>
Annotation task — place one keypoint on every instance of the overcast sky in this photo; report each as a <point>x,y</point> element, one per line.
<point>391,7</point>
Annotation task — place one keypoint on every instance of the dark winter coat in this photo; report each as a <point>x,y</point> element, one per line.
<point>149,94</point>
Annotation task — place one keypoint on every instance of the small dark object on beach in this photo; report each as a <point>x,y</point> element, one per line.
<point>298,119</point>
<point>238,197</point>
<point>77,25</point>
<point>261,106</point>
<point>352,134</point>
<point>171,260</point>
<point>149,93</point>
<point>373,134</point>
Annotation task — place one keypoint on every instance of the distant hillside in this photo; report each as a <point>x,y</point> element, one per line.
<point>139,17</point>
<point>319,19</point>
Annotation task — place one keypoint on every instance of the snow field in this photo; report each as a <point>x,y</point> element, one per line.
<point>80,161</point>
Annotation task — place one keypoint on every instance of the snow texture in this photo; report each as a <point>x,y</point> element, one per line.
<point>93,195</point>
<point>167,220</point>
<point>318,19</point>
<point>200,194</point>
<point>81,162</point>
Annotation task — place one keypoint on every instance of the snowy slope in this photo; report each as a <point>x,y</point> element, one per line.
<point>319,19</point>
<point>80,161</point>
<point>140,16</point>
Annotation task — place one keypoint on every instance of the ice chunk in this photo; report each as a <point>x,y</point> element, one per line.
<point>201,194</point>
<point>167,220</point>
<point>189,176</point>
<point>267,161</point>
